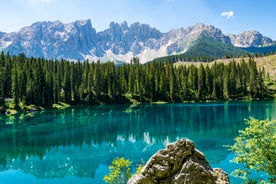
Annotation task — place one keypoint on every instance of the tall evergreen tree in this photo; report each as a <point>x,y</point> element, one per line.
<point>44,82</point>
<point>201,82</point>
<point>15,85</point>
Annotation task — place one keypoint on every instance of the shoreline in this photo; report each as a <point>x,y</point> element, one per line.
<point>31,110</point>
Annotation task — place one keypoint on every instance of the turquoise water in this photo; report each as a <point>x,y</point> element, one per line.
<point>76,145</point>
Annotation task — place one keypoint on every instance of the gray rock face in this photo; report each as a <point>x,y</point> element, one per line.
<point>182,39</point>
<point>179,163</point>
<point>121,39</point>
<point>54,40</point>
<point>1,34</point>
<point>79,41</point>
<point>250,39</point>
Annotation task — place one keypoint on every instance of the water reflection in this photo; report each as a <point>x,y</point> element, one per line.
<point>76,141</point>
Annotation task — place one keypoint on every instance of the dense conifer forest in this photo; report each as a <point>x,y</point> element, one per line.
<point>45,82</point>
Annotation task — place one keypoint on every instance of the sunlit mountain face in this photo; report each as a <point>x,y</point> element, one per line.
<point>120,42</point>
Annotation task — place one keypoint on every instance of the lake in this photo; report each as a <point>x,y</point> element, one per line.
<point>77,144</point>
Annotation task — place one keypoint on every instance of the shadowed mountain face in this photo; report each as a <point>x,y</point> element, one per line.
<point>120,42</point>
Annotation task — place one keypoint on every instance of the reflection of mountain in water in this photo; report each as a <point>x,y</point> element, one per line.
<point>77,140</point>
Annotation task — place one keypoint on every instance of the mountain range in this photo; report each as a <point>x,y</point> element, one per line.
<point>121,42</point>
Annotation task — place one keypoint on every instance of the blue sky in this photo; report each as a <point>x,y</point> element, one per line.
<point>231,16</point>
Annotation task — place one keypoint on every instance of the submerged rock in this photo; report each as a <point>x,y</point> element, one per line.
<point>179,163</point>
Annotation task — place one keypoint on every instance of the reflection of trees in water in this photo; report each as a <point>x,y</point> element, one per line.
<point>209,125</point>
<point>67,161</point>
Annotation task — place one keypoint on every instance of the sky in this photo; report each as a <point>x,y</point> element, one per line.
<point>231,16</point>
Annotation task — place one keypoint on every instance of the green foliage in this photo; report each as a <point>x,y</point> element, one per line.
<point>255,148</point>
<point>207,49</point>
<point>120,172</point>
<point>266,50</point>
<point>139,169</point>
<point>46,82</point>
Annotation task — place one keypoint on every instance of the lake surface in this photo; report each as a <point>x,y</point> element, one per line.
<point>76,145</point>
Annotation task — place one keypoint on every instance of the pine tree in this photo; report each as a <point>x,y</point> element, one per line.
<point>7,78</point>
<point>209,83</point>
<point>2,75</point>
<point>201,82</point>
<point>15,86</point>
<point>173,89</point>
<point>253,78</point>
<point>226,85</point>
<point>67,83</point>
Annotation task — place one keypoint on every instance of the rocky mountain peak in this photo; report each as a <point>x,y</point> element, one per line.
<point>182,39</point>
<point>83,23</point>
<point>136,31</point>
<point>113,26</point>
<point>198,28</point>
<point>201,29</point>
<point>54,40</point>
<point>143,31</point>
<point>123,39</point>
<point>177,33</point>
<point>2,34</point>
<point>120,42</point>
<point>250,39</point>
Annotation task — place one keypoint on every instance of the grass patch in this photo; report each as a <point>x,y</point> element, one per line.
<point>60,105</point>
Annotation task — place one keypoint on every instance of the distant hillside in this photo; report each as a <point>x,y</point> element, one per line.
<point>266,62</point>
<point>262,50</point>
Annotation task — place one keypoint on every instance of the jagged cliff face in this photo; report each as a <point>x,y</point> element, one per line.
<point>79,40</point>
<point>123,42</point>
<point>250,39</point>
<point>54,40</point>
<point>121,39</point>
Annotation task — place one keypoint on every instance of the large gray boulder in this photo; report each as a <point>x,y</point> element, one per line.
<point>179,163</point>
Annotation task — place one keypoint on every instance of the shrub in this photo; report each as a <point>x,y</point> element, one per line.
<point>120,171</point>
<point>255,149</point>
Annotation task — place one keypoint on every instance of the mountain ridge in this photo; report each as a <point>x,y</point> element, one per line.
<point>78,40</point>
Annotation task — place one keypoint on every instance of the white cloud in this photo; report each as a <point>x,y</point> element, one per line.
<point>228,14</point>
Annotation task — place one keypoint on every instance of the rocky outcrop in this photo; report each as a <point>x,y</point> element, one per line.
<point>179,163</point>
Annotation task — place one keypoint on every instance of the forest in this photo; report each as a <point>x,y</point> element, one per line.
<point>45,82</point>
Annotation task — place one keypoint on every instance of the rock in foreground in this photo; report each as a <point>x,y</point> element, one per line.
<point>179,163</point>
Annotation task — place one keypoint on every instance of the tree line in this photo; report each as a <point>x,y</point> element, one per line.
<point>45,82</point>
